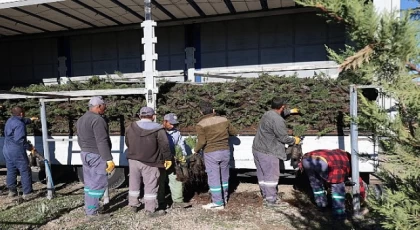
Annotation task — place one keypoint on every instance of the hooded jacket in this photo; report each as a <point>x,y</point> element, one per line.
<point>147,142</point>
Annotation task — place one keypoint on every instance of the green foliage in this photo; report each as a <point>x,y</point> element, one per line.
<point>243,101</point>
<point>190,141</point>
<point>382,46</point>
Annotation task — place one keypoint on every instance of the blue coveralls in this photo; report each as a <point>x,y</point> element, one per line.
<point>14,151</point>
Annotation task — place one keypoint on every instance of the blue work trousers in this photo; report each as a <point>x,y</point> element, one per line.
<point>18,162</point>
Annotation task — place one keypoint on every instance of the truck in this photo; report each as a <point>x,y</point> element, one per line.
<point>65,152</point>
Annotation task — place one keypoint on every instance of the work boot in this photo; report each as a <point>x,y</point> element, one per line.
<point>98,217</point>
<point>276,204</point>
<point>180,205</point>
<point>29,196</point>
<point>213,206</point>
<point>12,193</point>
<point>155,213</point>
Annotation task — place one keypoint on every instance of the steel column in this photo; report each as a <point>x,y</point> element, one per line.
<point>149,57</point>
<point>46,147</point>
<point>354,149</point>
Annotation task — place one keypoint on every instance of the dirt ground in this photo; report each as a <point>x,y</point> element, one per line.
<point>244,211</point>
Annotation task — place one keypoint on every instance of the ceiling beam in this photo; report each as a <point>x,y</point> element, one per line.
<point>165,23</point>
<point>196,8</point>
<point>230,6</point>
<point>163,9</point>
<point>42,18</point>
<point>97,12</point>
<point>11,29</point>
<point>69,15</point>
<point>24,23</point>
<point>131,11</point>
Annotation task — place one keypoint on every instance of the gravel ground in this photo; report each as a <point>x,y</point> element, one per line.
<point>244,211</point>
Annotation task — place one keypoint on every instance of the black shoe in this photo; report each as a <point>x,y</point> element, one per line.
<point>134,209</point>
<point>155,213</point>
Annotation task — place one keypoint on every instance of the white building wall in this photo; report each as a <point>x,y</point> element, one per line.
<point>387,5</point>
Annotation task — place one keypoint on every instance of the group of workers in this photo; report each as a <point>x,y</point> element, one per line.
<point>151,149</point>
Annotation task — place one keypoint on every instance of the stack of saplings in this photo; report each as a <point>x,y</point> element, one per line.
<point>323,103</point>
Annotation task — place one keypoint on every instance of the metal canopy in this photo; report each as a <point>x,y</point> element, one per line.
<point>67,15</point>
<point>5,95</point>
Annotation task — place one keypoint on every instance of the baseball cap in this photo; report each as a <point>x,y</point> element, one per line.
<point>171,118</point>
<point>146,111</point>
<point>95,101</point>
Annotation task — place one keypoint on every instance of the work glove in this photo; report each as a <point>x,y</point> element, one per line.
<point>294,111</point>
<point>33,152</point>
<point>182,160</point>
<point>167,164</point>
<point>111,166</point>
<point>34,118</point>
<point>297,140</point>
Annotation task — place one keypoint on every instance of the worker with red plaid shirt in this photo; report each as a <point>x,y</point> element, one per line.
<point>334,168</point>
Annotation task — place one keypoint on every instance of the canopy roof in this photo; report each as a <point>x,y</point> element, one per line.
<point>38,16</point>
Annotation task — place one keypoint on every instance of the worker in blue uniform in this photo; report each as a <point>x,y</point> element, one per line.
<point>15,153</point>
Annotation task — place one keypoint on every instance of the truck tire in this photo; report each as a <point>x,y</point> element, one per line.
<point>115,179</point>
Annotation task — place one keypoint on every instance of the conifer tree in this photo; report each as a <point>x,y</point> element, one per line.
<point>384,51</point>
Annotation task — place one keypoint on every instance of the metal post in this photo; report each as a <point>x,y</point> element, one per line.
<point>354,149</point>
<point>46,147</point>
<point>190,62</point>
<point>149,57</point>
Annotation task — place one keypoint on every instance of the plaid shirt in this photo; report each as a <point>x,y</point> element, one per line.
<point>338,163</point>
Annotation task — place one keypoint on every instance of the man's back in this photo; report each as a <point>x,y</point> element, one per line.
<point>216,131</point>
<point>272,136</point>
<point>338,163</point>
<point>147,142</point>
<point>93,135</point>
<point>15,135</point>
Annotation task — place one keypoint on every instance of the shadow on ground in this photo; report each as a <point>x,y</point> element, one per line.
<point>308,216</point>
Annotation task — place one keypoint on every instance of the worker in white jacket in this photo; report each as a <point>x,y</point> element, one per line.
<point>170,122</point>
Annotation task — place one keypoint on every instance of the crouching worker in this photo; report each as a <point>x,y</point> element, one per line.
<point>170,122</point>
<point>147,151</point>
<point>213,138</point>
<point>333,168</point>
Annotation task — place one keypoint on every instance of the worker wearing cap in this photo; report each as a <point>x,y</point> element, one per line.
<point>170,122</point>
<point>95,145</point>
<point>333,168</point>
<point>147,151</point>
<point>268,149</point>
<point>14,151</point>
<point>213,138</point>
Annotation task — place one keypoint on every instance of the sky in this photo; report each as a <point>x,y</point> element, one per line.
<point>407,4</point>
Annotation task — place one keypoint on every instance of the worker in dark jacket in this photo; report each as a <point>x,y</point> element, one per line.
<point>268,149</point>
<point>94,141</point>
<point>213,138</point>
<point>147,151</point>
<point>331,167</point>
<point>14,151</point>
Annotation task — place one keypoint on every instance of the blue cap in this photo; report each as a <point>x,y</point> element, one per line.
<point>171,118</point>
<point>146,111</point>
